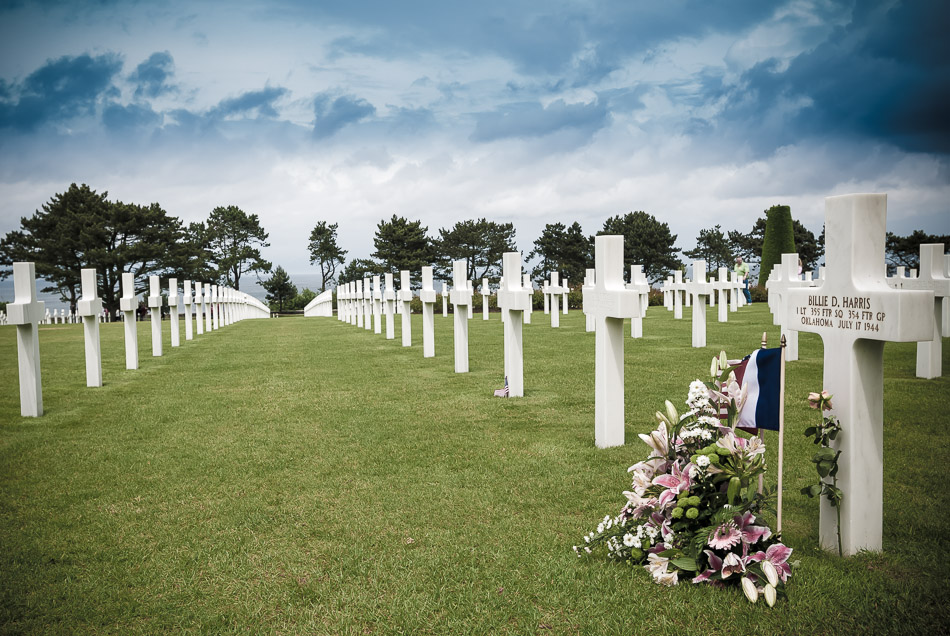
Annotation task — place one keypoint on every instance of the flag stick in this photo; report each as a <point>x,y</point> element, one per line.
<point>781,432</point>
<point>765,339</point>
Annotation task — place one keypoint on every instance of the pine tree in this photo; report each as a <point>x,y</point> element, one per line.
<point>779,239</point>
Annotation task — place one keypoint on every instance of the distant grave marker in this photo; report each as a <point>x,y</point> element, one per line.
<point>128,304</point>
<point>25,312</point>
<point>610,303</point>
<point>461,299</point>
<point>427,296</point>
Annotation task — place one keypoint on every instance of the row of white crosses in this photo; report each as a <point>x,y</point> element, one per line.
<point>322,305</point>
<point>26,313</point>
<point>359,303</point>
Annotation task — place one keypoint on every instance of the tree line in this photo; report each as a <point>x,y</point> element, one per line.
<point>82,228</point>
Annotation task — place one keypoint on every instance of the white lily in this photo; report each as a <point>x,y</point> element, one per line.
<point>771,574</point>
<point>769,594</point>
<point>714,367</point>
<point>672,413</point>
<point>658,440</point>
<point>748,587</point>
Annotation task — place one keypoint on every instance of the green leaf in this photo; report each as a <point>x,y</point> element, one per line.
<point>685,563</point>
<point>825,454</point>
<point>824,468</point>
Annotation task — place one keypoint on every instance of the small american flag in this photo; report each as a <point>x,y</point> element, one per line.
<point>502,392</point>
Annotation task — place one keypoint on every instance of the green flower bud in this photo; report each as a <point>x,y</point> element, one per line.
<point>636,553</point>
<point>722,452</point>
<point>694,500</point>
<point>692,513</point>
<point>677,512</point>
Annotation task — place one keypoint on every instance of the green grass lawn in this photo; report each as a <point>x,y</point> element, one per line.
<point>305,476</point>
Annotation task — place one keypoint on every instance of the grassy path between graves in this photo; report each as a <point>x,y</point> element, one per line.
<point>305,476</point>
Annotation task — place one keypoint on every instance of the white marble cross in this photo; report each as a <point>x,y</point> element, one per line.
<point>390,297</point>
<point>128,304</point>
<point>546,292</point>
<point>90,308</point>
<point>486,293</point>
<point>358,300</point>
<point>199,309</point>
<point>699,289</point>
<point>471,307</point>
<point>207,302</point>
<point>855,312</point>
<point>186,301</point>
<point>445,300</point>
<point>405,297</point>
<point>173,311</point>
<point>554,293</point>
<point>678,289</point>
<point>638,283</point>
<point>155,312</point>
<point>26,312</point>
<point>610,303</point>
<point>667,290</point>
<point>514,301</point>
<point>723,287</point>
<point>736,297</point>
<point>367,304</point>
<point>529,286</point>
<point>567,291</point>
<point>427,296</point>
<point>461,299</point>
<point>377,305</point>
<point>588,282</point>
<point>785,276</point>
<point>215,307</point>
<point>931,277</point>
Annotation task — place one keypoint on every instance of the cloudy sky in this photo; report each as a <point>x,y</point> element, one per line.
<point>698,112</point>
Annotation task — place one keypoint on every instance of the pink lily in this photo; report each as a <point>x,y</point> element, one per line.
<point>675,482</point>
<point>732,564</point>
<point>751,533</point>
<point>777,554</point>
<point>715,565</point>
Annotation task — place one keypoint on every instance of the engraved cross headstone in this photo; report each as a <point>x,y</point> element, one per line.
<point>554,293</point>
<point>155,313</point>
<point>390,298</point>
<point>405,297</point>
<point>461,299</point>
<point>26,312</point>
<point>128,304</point>
<point>90,308</point>
<point>855,312</point>
<point>699,289</point>
<point>427,296</point>
<point>610,303</point>
<point>514,300</point>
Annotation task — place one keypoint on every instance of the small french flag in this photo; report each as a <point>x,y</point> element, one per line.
<point>762,372</point>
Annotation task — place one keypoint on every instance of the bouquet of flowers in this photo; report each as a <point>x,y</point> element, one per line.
<point>693,509</point>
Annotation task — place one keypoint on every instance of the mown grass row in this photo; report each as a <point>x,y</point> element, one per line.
<point>305,476</point>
